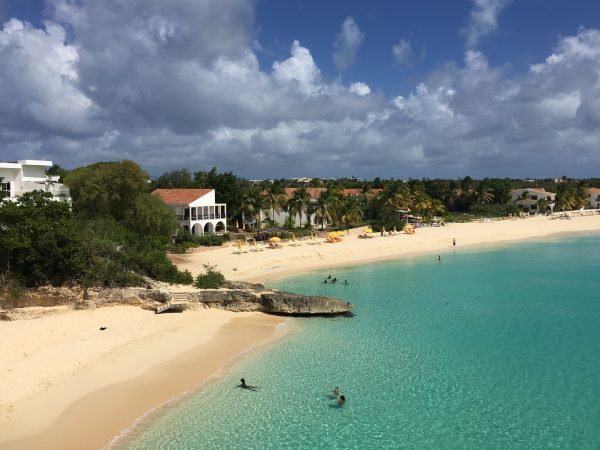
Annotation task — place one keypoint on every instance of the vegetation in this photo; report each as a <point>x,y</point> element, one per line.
<point>115,232</point>
<point>210,279</point>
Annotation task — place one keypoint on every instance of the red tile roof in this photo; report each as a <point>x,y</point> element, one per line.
<point>593,190</point>
<point>180,196</point>
<point>350,191</point>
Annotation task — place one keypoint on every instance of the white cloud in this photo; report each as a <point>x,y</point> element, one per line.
<point>402,52</point>
<point>483,20</point>
<point>359,89</point>
<point>39,79</point>
<point>299,68</point>
<point>346,44</point>
<point>151,82</point>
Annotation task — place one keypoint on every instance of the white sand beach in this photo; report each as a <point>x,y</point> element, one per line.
<point>67,384</point>
<point>287,260</point>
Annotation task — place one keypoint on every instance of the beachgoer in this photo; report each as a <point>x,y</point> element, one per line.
<point>453,241</point>
<point>345,281</point>
<point>325,280</point>
<point>341,400</point>
<point>439,258</point>
<point>243,385</point>
<point>336,391</point>
<point>329,277</point>
<point>334,280</point>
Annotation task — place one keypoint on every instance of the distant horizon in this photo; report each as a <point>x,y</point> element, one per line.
<point>336,89</point>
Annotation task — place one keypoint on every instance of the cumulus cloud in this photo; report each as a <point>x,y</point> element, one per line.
<point>151,83</point>
<point>483,20</point>
<point>402,52</point>
<point>346,44</point>
<point>39,79</point>
<point>360,89</point>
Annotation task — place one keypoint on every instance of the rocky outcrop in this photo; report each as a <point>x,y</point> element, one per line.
<point>255,297</point>
<point>239,297</point>
<point>278,302</point>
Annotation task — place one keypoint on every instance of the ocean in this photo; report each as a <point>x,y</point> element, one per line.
<point>496,348</point>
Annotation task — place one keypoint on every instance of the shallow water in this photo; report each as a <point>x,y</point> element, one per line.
<point>486,349</point>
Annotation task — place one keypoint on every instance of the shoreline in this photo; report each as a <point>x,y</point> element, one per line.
<point>56,409</point>
<point>270,264</point>
<point>96,405</point>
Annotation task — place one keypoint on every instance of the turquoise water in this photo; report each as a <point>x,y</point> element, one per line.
<point>485,349</point>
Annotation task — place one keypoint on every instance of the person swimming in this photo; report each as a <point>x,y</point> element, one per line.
<point>341,400</point>
<point>334,280</point>
<point>336,391</point>
<point>345,281</point>
<point>329,277</point>
<point>243,385</point>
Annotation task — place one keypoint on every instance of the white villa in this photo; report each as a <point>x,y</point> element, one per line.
<point>27,175</point>
<point>535,195</point>
<point>593,197</point>
<point>196,209</point>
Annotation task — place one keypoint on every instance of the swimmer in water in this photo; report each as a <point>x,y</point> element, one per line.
<point>243,385</point>
<point>336,391</point>
<point>341,400</point>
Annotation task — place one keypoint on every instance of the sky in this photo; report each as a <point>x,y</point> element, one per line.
<point>305,88</point>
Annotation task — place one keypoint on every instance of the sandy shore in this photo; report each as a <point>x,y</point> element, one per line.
<point>274,263</point>
<point>68,385</point>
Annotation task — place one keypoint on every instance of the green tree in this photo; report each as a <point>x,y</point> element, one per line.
<point>174,179</point>
<point>106,188</point>
<point>298,203</point>
<point>349,210</point>
<point>37,241</point>
<point>274,196</point>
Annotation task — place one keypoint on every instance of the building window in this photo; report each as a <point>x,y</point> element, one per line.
<point>4,190</point>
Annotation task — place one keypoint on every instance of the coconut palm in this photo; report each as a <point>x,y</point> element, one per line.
<point>482,196</point>
<point>298,203</point>
<point>254,204</point>
<point>274,197</point>
<point>325,207</point>
<point>349,210</point>
<point>524,198</point>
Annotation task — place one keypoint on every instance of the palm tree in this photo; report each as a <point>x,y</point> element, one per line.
<point>542,204</point>
<point>254,203</point>
<point>298,203</point>
<point>325,207</point>
<point>274,197</point>
<point>523,198</point>
<point>567,200</point>
<point>437,207</point>
<point>482,196</point>
<point>349,210</point>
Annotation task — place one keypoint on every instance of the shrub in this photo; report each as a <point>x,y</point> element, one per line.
<point>211,279</point>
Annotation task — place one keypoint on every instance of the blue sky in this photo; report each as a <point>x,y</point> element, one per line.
<point>272,88</point>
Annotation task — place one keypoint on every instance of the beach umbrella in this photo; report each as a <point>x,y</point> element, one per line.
<point>274,239</point>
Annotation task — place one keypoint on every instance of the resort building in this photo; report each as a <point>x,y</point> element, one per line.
<point>533,199</point>
<point>28,175</point>
<point>280,218</point>
<point>593,197</point>
<point>196,209</point>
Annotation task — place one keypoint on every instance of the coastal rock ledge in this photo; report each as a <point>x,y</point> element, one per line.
<point>238,297</point>
<point>255,297</point>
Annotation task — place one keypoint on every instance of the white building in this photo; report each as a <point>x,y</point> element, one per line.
<point>593,197</point>
<point>196,209</point>
<point>27,175</point>
<point>531,203</point>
